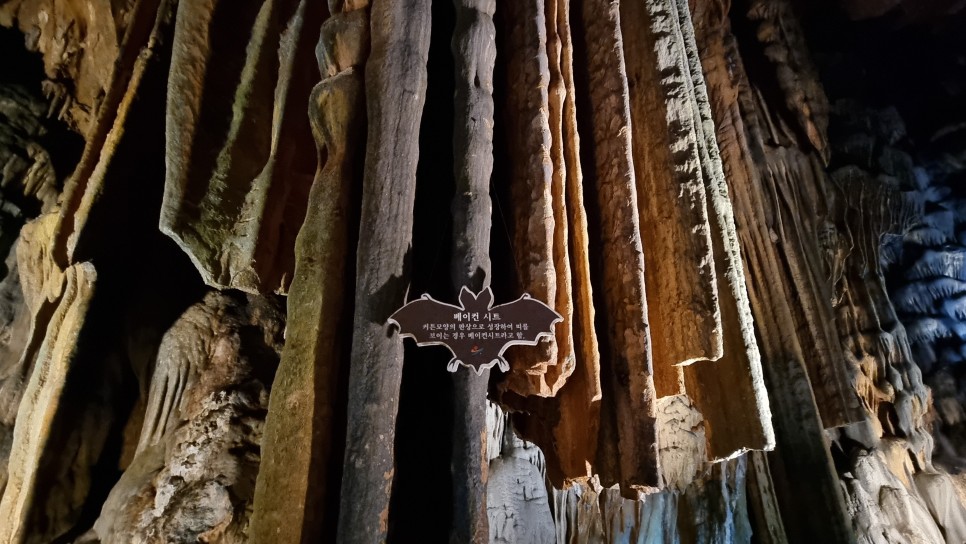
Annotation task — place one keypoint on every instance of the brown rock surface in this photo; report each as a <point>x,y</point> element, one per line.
<point>395,94</point>
<point>239,168</point>
<point>301,434</point>
<point>193,476</point>
<point>741,264</point>
<point>79,42</point>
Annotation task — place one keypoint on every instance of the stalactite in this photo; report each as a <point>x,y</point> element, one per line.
<point>237,177</point>
<point>797,182</point>
<point>718,237</point>
<point>536,193</point>
<point>63,424</point>
<point>771,203</point>
<point>570,442</point>
<point>474,51</point>
<point>558,373</point>
<point>79,44</point>
<point>395,93</point>
<point>629,376</point>
<point>85,188</point>
<point>713,385</point>
<point>682,292</point>
<point>733,388</point>
<point>301,434</point>
<point>580,398</point>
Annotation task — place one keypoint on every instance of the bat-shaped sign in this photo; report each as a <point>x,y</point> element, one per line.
<point>477,333</point>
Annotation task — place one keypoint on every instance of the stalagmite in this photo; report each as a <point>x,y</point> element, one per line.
<point>518,501</point>
<point>301,434</point>
<point>194,472</point>
<point>395,93</point>
<point>713,509</point>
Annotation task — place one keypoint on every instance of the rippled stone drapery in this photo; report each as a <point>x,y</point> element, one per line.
<point>239,169</point>
<point>658,177</point>
<point>666,181</point>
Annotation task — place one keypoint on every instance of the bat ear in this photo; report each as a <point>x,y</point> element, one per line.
<point>453,365</point>
<point>485,298</point>
<point>504,366</point>
<point>467,298</point>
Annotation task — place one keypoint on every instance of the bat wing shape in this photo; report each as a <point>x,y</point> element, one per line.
<point>477,333</point>
<point>531,311</point>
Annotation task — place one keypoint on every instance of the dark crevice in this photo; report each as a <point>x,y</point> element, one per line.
<point>422,482</point>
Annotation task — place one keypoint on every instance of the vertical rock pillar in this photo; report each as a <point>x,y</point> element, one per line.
<point>296,475</point>
<point>395,94</point>
<point>474,54</point>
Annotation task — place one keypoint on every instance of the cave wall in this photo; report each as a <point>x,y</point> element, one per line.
<point>757,259</point>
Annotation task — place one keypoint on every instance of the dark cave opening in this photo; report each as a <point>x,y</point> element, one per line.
<point>28,115</point>
<point>897,91</point>
<point>19,65</point>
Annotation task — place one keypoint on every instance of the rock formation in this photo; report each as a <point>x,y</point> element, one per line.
<point>759,261</point>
